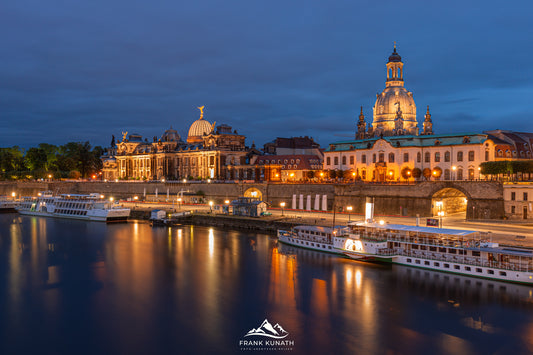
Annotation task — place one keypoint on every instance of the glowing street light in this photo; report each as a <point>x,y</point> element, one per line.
<point>349,209</point>
<point>184,181</point>
<point>111,199</point>
<point>179,203</point>
<point>13,194</point>
<point>211,206</point>
<point>282,205</point>
<point>163,180</point>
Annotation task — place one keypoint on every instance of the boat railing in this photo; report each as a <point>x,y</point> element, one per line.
<point>438,242</point>
<point>468,260</point>
<point>309,238</point>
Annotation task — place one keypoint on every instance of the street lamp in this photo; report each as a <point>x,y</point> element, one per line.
<point>349,209</point>
<point>453,169</point>
<point>179,203</point>
<point>210,206</point>
<point>13,194</point>
<point>282,205</point>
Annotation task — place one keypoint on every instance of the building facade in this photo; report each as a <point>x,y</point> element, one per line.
<point>393,148</point>
<point>518,200</point>
<point>210,152</point>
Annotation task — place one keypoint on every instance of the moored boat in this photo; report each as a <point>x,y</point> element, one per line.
<point>312,237</point>
<point>457,251</point>
<point>7,204</point>
<point>74,206</point>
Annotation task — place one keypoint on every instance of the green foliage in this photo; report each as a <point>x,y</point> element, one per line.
<point>72,160</point>
<point>506,167</point>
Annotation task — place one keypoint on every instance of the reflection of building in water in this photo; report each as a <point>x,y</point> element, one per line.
<point>330,284</point>
<point>462,290</point>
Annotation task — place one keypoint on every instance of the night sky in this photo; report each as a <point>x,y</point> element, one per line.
<point>84,70</point>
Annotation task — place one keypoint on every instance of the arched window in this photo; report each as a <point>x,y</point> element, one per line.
<point>427,157</point>
<point>381,157</point>
<point>460,156</point>
<point>437,157</point>
<point>336,161</point>
<point>328,161</point>
<point>391,157</point>
<point>471,155</point>
<point>447,157</point>
<point>363,158</point>
<point>344,160</point>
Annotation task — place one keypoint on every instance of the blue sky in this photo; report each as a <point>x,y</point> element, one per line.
<point>77,71</point>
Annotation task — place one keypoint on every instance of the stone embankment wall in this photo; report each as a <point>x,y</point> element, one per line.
<point>485,198</point>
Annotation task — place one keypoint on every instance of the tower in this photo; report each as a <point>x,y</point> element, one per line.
<point>361,126</point>
<point>428,124</point>
<point>389,101</point>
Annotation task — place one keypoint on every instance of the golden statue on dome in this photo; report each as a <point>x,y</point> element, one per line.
<point>201,108</point>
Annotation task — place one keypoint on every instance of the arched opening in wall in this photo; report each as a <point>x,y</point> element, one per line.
<point>449,202</point>
<point>253,192</point>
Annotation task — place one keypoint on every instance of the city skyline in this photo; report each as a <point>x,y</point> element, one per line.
<point>86,72</point>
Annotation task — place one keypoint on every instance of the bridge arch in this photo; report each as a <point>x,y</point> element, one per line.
<point>253,192</point>
<point>448,201</point>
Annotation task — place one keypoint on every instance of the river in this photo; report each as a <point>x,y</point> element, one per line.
<point>75,287</point>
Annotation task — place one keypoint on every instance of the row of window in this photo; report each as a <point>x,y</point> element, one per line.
<point>455,267</point>
<point>391,158</point>
<point>524,196</point>
<point>70,205</point>
<point>500,153</point>
<point>71,212</point>
<point>301,242</point>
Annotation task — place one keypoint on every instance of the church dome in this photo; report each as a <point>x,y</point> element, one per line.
<point>170,135</point>
<point>198,129</point>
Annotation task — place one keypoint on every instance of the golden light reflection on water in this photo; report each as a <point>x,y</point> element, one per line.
<point>211,243</point>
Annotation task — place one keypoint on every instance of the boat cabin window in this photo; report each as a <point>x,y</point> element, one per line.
<point>461,252</point>
<point>447,266</point>
<point>467,268</point>
<point>423,247</point>
<point>503,273</point>
<point>417,261</point>
<point>476,253</point>
<point>432,248</point>
<point>478,269</point>
<point>491,272</point>
<point>426,262</point>
<point>452,251</point>
<point>408,260</point>
<point>456,267</point>
<point>436,264</point>
<point>414,246</point>
<point>442,250</point>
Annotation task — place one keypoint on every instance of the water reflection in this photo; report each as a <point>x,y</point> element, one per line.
<point>130,288</point>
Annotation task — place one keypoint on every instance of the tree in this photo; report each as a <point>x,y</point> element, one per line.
<point>417,173</point>
<point>427,173</point>
<point>406,173</point>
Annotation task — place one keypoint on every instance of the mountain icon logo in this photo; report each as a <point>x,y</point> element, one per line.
<point>268,330</point>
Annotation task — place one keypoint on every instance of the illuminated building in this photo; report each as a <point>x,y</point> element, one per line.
<point>210,152</point>
<point>391,149</point>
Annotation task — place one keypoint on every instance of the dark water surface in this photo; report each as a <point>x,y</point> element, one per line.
<point>74,287</point>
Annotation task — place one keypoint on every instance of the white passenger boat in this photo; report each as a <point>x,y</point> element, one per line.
<point>463,252</point>
<point>312,237</point>
<point>8,204</point>
<point>86,207</point>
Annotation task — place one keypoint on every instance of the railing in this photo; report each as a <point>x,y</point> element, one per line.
<point>468,260</point>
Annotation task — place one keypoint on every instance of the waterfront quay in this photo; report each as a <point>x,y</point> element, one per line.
<point>477,199</point>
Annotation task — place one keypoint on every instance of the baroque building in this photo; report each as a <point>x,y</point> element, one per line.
<point>392,149</point>
<point>209,152</point>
